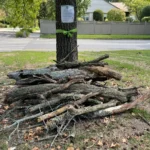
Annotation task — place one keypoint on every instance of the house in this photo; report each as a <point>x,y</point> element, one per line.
<point>121,6</point>
<point>104,6</point>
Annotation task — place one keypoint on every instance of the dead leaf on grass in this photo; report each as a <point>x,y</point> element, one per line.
<point>106,120</point>
<point>124,140</point>
<point>114,145</point>
<point>11,148</point>
<point>6,107</point>
<point>35,148</point>
<point>86,140</point>
<point>58,147</point>
<point>99,143</point>
<point>70,148</point>
<point>46,146</point>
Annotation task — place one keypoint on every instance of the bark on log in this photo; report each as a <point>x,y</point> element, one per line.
<point>95,62</point>
<point>67,65</point>
<point>55,75</point>
<point>57,99</point>
<point>121,108</point>
<point>103,71</point>
<point>65,108</point>
<point>25,92</point>
<point>72,112</point>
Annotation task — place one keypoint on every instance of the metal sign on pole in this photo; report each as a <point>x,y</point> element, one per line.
<point>66,30</point>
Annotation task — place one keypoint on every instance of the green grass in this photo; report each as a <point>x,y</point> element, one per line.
<point>134,65</point>
<point>103,36</point>
<point>141,112</point>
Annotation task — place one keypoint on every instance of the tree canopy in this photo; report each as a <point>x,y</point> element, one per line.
<point>116,15</point>
<point>22,13</point>
<point>136,6</point>
<point>82,6</point>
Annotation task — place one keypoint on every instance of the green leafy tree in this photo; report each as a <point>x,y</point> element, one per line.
<point>98,15</point>
<point>82,6</point>
<point>22,13</point>
<point>43,10</point>
<point>116,15</point>
<point>136,6</point>
<point>145,12</point>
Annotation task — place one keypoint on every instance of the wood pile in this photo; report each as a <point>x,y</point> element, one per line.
<point>59,93</point>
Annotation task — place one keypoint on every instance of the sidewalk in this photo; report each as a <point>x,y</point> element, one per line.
<point>10,29</point>
<point>10,32</point>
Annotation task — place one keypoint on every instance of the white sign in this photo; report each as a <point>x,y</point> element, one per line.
<point>67,14</point>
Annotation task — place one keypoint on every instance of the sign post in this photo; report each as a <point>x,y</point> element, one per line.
<point>66,30</point>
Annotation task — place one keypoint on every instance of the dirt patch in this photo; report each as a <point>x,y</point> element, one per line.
<point>122,132</point>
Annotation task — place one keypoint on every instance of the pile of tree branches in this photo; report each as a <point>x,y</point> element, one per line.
<point>56,95</point>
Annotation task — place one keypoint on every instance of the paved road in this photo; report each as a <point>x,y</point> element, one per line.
<point>9,43</point>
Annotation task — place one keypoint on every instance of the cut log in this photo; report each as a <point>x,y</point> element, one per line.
<point>103,71</point>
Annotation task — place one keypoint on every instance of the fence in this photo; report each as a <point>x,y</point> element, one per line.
<point>84,27</point>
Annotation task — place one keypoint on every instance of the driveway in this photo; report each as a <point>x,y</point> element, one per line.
<point>8,42</point>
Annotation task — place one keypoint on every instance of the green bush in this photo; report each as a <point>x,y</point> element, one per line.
<point>129,19</point>
<point>3,25</point>
<point>116,15</point>
<point>145,11</point>
<point>136,21</point>
<point>146,19</point>
<point>27,30</point>
<point>98,15</point>
<point>22,33</point>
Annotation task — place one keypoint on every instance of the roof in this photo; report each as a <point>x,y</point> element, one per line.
<point>120,5</point>
<point>100,4</point>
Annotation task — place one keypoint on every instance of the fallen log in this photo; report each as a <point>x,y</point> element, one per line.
<point>75,112</point>
<point>60,99</point>
<point>94,112</point>
<point>55,75</point>
<point>95,62</point>
<point>121,108</point>
<point>34,91</point>
<point>103,71</point>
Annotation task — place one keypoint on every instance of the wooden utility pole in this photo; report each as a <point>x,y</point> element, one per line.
<point>66,30</point>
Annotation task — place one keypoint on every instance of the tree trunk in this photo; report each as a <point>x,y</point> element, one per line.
<point>65,44</point>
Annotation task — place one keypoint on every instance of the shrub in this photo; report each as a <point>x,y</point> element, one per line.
<point>145,11</point>
<point>116,15</point>
<point>146,19</point>
<point>98,15</point>
<point>129,19</point>
<point>27,30</point>
<point>136,21</point>
<point>22,33</point>
<point>3,25</point>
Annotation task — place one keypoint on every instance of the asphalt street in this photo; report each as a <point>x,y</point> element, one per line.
<point>9,43</point>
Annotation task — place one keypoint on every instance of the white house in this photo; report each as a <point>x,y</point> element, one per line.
<point>102,5</point>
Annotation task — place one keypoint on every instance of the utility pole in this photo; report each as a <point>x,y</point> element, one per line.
<point>66,30</point>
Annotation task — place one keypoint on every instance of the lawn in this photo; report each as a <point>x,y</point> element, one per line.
<point>124,131</point>
<point>136,37</point>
